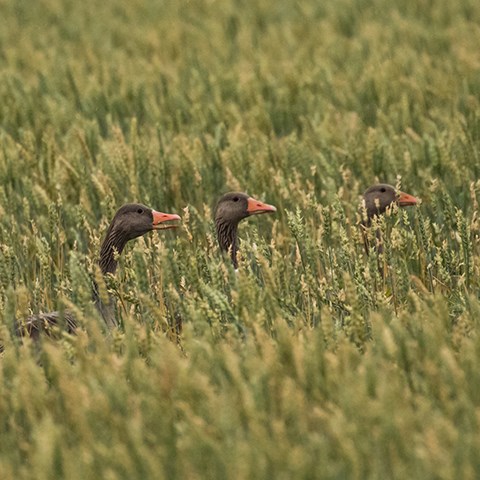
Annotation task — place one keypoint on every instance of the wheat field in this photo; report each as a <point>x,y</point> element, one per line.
<point>304,364</point>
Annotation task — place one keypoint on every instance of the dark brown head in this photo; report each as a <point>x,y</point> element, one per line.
<point>231,209</point>
<point>379,197</point>
<point>131,221</point>
<point>235,206</point>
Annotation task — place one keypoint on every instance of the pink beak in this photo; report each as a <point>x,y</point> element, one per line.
<point>406,200</point>
<point>255,207</point>
<point>159,218</point>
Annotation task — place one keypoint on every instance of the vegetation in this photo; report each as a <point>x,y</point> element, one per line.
<point>307,362</point>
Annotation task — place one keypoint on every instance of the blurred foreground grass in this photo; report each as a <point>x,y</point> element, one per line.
<point>307,364</point>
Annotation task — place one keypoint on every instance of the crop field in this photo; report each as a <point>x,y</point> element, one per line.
<point>310,361</point>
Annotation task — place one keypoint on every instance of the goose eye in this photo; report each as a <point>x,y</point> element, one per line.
<point>382,190</point>
<point>236,199</point>
<point>140,211</point>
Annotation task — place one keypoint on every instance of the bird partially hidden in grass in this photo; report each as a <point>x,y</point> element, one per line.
<point>131,221</point>
<point>231,209</point>
<point>375,202</point>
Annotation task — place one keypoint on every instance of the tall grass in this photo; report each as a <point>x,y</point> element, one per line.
<point>307,363</point>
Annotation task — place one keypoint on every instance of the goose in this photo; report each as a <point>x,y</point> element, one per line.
<point>376,200</point>
<point>131,221</point>
<point>230,210</point>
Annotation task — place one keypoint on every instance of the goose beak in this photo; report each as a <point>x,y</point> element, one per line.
<point>406,200</point>
<point>159,218</point>
<point>255,207</point>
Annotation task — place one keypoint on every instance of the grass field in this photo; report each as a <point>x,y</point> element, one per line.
<point>307,363</point>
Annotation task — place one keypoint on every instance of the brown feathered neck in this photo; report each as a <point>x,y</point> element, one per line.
<point>112,247</point>
<point>228,237</point>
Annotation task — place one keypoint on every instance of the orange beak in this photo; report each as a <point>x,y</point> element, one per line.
<point>255,207</point>
<point>159,218</point>
<point>406,200</point>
